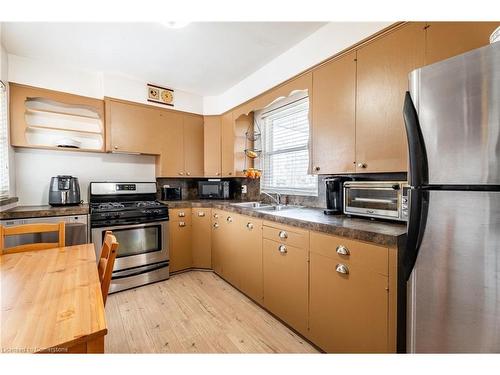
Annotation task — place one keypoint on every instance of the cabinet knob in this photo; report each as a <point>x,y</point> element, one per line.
<point>342,250</point>
<point>317,168</point>
<point>342,268</point>
<point>182,223</point>
<point>250,226</point>
<point>230,173</point>
<point>181,214</point>
<point>188,174</point>
<point>216,225</point>
<point>283,235</point>
<point>361,165</point>
<point>217,174</point>
<point>282,249</point>
<point>216,216</point>
<point>229,219</point>
<point>181,173</point>
<point>116,147</point>
<point>201,214</point>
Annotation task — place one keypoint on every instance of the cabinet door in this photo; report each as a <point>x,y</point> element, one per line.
<point>250,255</point>
<point>133,127</point>
<point>447,39</point>
<point>382,80</point>
<point>212,146</point>
<point>333,116</point>
<point>180,245</point>
<point>202,234</point>
<point>348,312</point>
<point>193,145</point>
<point>285,271</point>
<point>172,151</point>
<point>217,242</point>
<point>231,250</point>
<point>227,145</point>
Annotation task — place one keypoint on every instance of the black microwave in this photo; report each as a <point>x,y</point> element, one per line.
<point>214,190</point>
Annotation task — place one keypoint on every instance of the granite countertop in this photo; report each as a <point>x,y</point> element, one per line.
<point>25,212</point>
<point>379,232</point>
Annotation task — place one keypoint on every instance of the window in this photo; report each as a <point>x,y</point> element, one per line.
<point>285,148</point>
<point>4,144</point>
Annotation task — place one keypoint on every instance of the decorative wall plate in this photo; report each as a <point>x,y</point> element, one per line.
<point>162,95</point>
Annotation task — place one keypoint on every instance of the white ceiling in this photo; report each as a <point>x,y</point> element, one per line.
<point>204,58</point>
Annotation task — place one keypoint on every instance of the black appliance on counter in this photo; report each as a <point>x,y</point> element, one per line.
<point>64,191</point>
<point>214,189</point>
<point>171,193</point>
<point>139,222</point>
<point>335,195</point>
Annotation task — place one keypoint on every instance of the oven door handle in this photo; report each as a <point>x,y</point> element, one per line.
<point>132,226</point>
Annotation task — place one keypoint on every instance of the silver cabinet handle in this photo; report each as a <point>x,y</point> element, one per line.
<point>229,219</point>
<point>182,223</point>
<point>250,226</point>
<point>342,268</point>
<point>181,214</point>
<point>342,250</point>
<point>216,216</point>
<point>282,249</point>
<point>201,214</point>
<point>216,225</point>
<point>283,235</point>
<point>361,165</point>
<point>188,174</point>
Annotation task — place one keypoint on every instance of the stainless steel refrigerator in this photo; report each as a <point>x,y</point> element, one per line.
<point>452,260</point>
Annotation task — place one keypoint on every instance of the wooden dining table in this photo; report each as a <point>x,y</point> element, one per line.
<point>51,302</point>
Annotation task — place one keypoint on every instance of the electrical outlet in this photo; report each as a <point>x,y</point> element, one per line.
<point>243,189</point>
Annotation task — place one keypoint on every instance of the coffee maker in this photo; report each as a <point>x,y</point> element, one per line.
<point>335,195</point>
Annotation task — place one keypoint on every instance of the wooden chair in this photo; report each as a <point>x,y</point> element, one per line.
<point>31,229</point>
<point>106,262</point>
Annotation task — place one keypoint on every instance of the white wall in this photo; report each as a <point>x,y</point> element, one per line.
<point>322,44</point>
<point>34,168</point>
<point>91,83</point>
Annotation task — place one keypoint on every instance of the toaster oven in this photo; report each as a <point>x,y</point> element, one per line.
<point>377,199</point>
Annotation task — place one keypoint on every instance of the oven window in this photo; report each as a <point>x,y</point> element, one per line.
<point>210,189</point>
<point>373,199</point>
<point>134,241</point>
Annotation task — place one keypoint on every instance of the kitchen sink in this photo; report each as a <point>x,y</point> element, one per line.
<point>254,205</point>
<point>279,207</point>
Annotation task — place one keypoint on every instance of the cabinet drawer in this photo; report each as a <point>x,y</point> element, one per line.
<point>355,253</point>
<point>286,235</point>
<point>179,214</point>
<point>182,221</point>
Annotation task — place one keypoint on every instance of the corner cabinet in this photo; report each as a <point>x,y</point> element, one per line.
<point>201,248</point>
<point>333,117</point>
<point>180,239</point>
<point>383,66</point>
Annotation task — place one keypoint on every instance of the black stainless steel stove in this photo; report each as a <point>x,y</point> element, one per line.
<point>139,222</point>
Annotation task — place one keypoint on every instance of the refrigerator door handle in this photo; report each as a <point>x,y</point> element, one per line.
<point>419,207</point>
<point>419,171</point>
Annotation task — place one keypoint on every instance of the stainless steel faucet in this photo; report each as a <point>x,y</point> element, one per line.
<point>276,199</point>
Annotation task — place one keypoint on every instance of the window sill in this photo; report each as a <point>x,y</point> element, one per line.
<point>7,201</point>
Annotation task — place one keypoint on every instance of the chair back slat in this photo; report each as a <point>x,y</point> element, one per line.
<point>106,262</point>
<point>32,229</point>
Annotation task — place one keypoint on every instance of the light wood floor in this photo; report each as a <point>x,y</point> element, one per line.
<point>194,312</point>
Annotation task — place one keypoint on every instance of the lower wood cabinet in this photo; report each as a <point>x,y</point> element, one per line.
<point>285,271</point>
<point>349,295</point>
<point>217,242</point>
<point>180,245</point>
<point>201,244</point>
<point>249,244</point>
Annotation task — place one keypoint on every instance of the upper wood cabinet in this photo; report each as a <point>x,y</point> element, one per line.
<point>133,127</point>
<point>212,146</point>
<point>383,66</point>
<point>447,39</point>
<point>193,145</point>
<point>227,145</point>
<point>41,118</point>
<point>333,116</point>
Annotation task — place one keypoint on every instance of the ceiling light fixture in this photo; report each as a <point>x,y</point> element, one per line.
<point>175,24</point>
